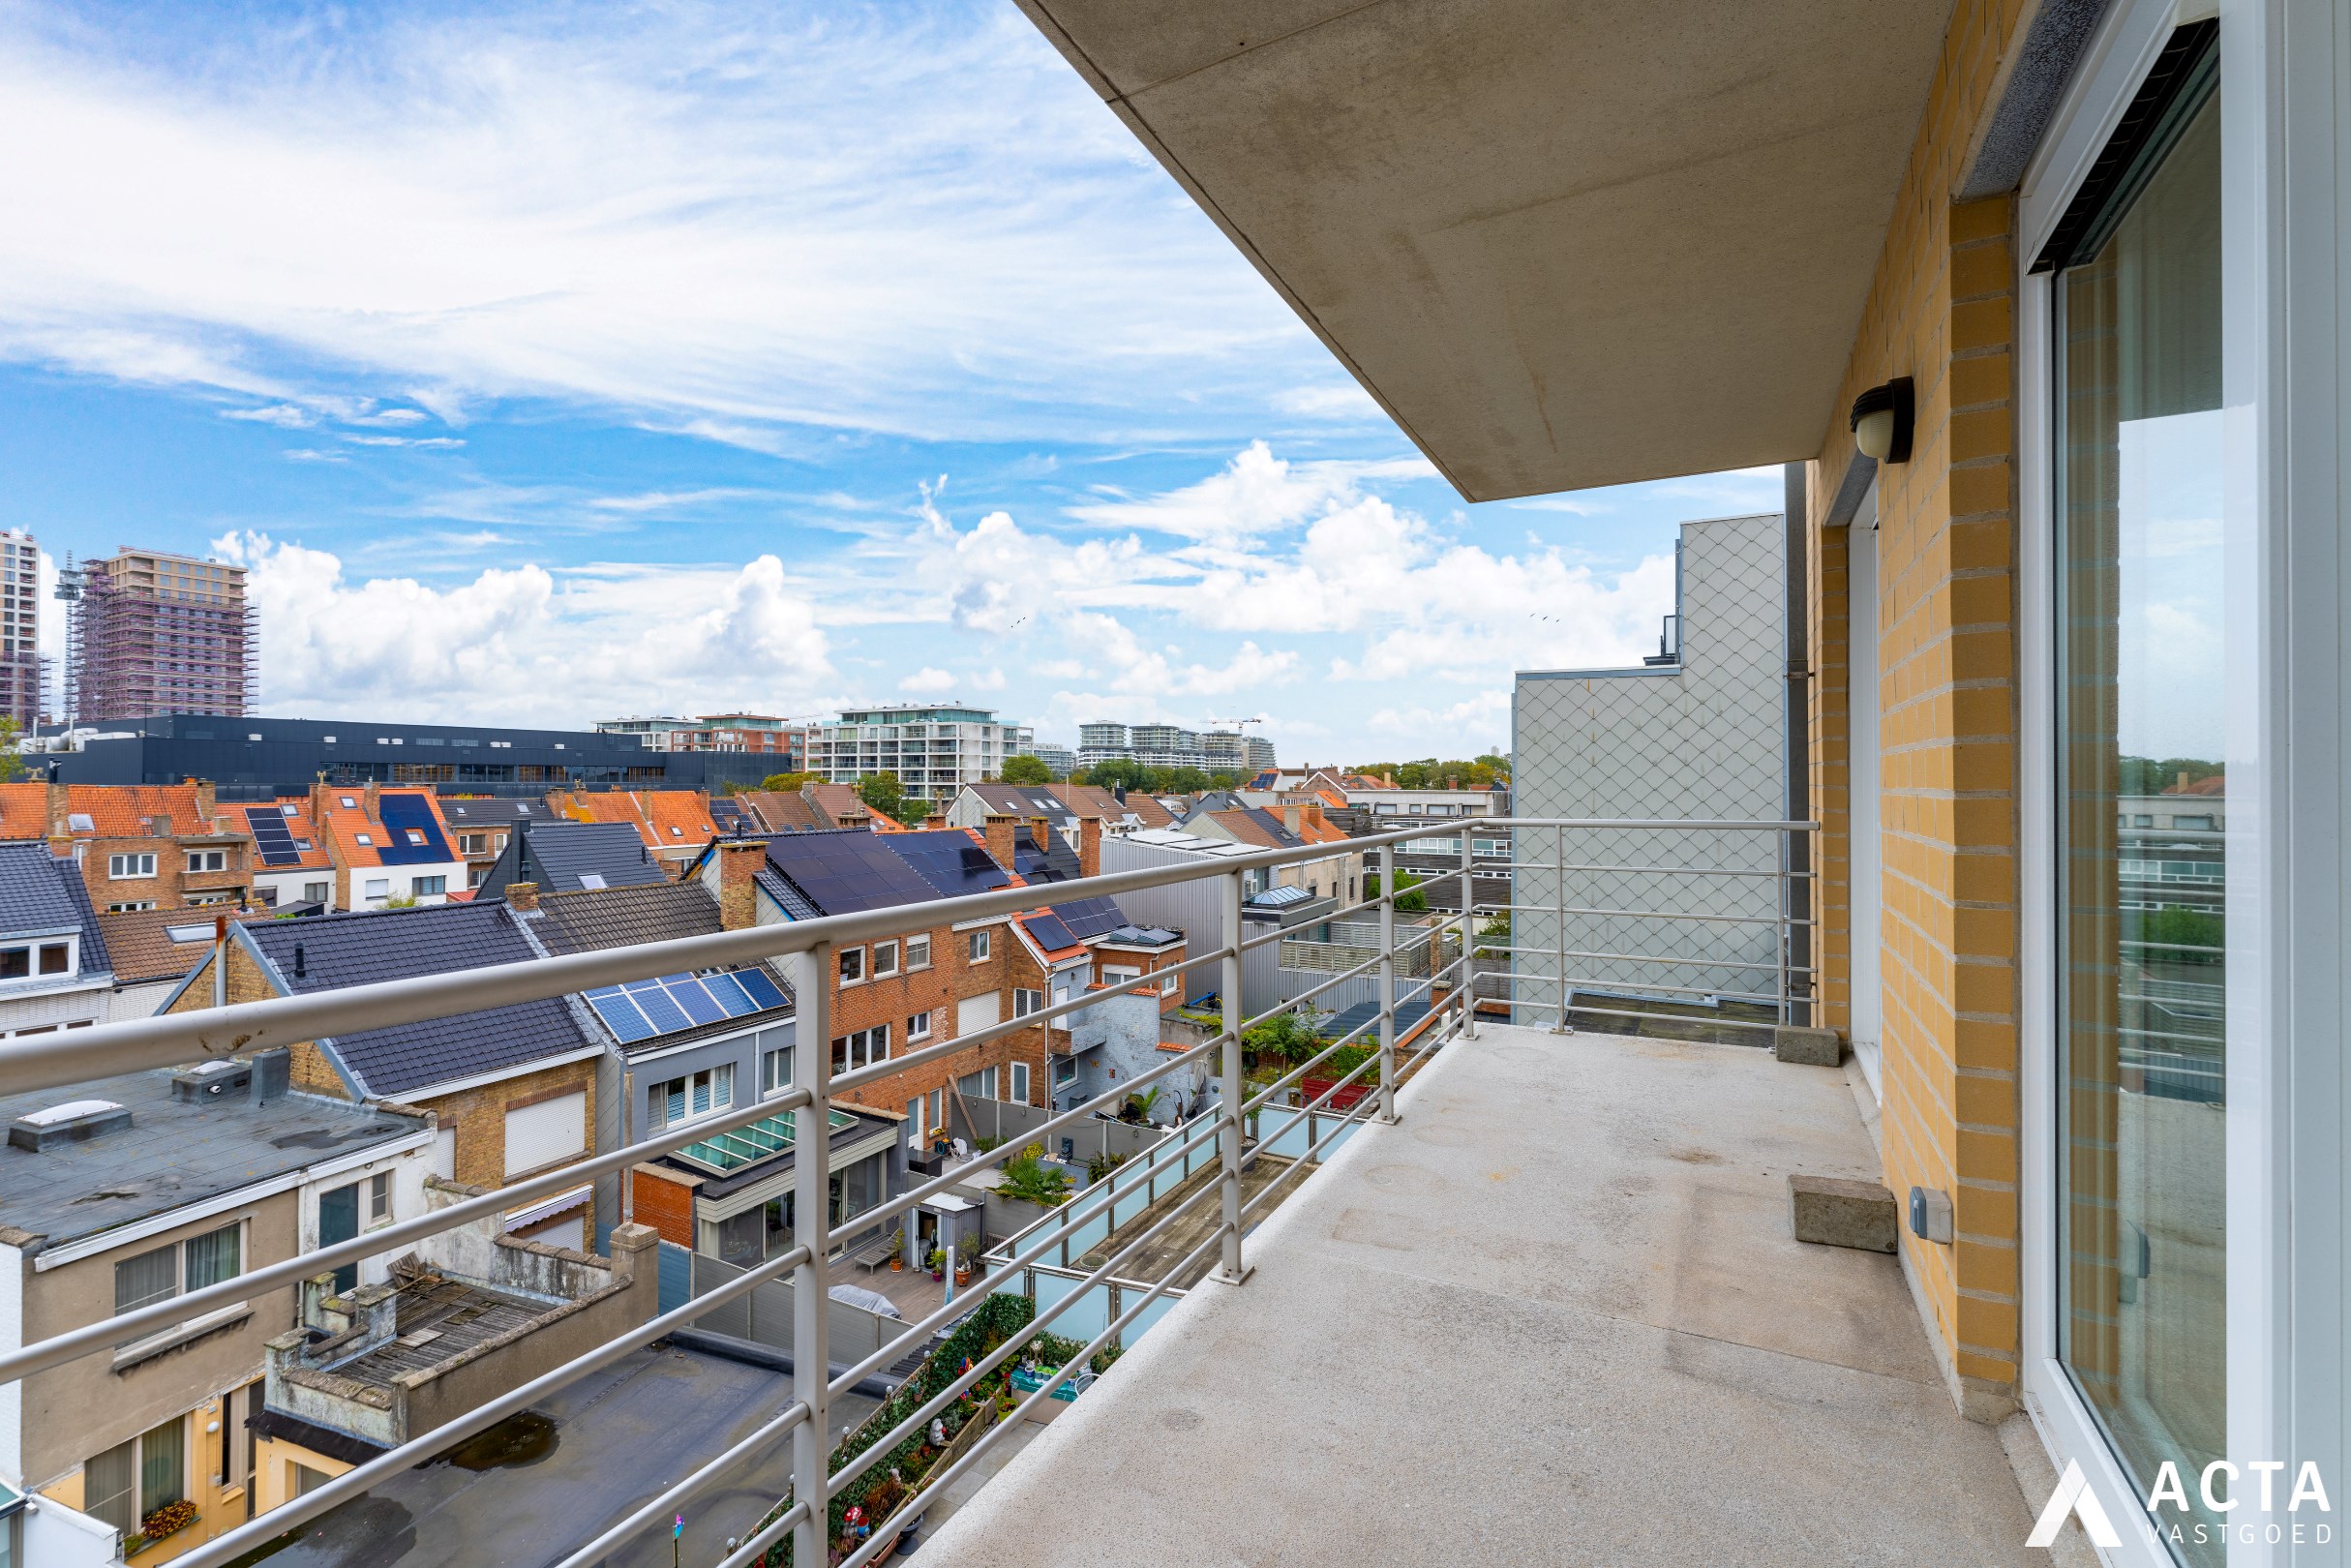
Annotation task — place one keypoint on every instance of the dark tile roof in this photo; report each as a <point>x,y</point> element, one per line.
<point>558,856</point>
<point>787,897</point>
<point>40,893</point>
<point>467,814</point>
<point>355,949</point>
<point>623,917</point>
<point>174,1152</point>
<point>1021,799</point>
<point>143,945</point>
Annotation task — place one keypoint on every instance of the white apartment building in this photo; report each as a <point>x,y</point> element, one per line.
<point>1168,745</point>
<point>934,750</point>
<point>20,628</point>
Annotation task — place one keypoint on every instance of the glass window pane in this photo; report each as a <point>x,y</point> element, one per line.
<point>2142,731</point>
<point>212,1257</point>
<point>107,1483</point>
<point>162,1465</point>
<point>150,1277</point>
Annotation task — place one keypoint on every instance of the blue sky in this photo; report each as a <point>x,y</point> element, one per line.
<point>555,362</point>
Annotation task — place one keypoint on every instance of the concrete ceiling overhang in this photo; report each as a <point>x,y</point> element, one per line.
<point>1565,244</point>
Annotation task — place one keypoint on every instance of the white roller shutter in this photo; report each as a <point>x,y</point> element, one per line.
<point>444,1154</point>
<point>543,1133</point>
<point>976,1013</point>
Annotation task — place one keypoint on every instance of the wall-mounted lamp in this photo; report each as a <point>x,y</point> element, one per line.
<point>1881,421</point>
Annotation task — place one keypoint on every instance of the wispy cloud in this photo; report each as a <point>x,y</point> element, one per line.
<point>731,219</point>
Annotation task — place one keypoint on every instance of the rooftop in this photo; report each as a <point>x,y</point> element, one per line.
<point>175,1151</point>
<point>1571,1263</point>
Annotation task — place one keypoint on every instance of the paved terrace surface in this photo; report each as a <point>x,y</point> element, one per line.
<point>1556,1315</point>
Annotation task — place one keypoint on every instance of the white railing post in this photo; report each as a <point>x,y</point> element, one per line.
<point>811,1224</point>
<point>1387,983</point>
<point>1231,1270</point>
<point>1469,941</point>
<point>1558,840</point>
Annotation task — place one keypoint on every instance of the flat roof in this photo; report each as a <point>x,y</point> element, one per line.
<point>174,1152</point>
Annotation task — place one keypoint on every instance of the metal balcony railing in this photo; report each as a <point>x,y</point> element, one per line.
<point>1446,949</point>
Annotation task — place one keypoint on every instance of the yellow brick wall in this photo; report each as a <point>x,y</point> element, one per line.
<point>1940,311</point>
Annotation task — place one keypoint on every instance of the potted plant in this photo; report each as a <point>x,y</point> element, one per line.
<point>898,1249</point>
<point>938,1264</point>
<point>967,1254</point>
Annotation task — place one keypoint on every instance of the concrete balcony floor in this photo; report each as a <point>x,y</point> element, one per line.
<point>1555,1315</point>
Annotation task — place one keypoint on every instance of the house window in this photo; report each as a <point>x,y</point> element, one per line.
<point>1169,984</point>
<point>1120,974</point>
<point>122,867</point>
<point>917,1027</point>
<point>473,843</point>
<point>1026,1002</point>
<point>130,907</point>
<point>976,948</point>
<point>775,1072</point>
<point>379,887</point>
<point>696,1093</point>
<point>207,860</point>
<point>416,836</point>
<point>884,958</point>
<point>317,892</point>
<point>131,1480</point>
<point>917,952</point>
<point>852,965</point>
<point>980,1085</point>
<point>178,1268</point>
<point>1019,1073</point>
<point>862,1048</point>
<point>938,1108</point>
<point>56,958</point>
<point>426,886</point>
<point>364,838</point>
<point>379,1198</point>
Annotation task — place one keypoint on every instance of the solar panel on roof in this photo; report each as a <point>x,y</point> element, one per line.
<point>845,873</point>
<point>414,838</point>
<point>664,1013</point>
<point>730,994</point>
<point>762,989</point>
<point>270,837</point>
<point>620,1015</point>
<point>697,1002</point>
<point>1089,917</point>
<point>1049,933</point>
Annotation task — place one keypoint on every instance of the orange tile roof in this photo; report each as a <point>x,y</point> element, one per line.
<point>113,810</point>
<point>608,806</point>
<point>677,818</point>
<point>1246,829</point>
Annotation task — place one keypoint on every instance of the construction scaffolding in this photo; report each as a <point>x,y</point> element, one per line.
<point>149,633</point>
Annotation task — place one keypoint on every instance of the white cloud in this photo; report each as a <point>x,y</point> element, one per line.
<point>721,218</point>
<point>434,441</point>
<point>1257,493</point>
<point>930,681</point>
<point>661,500</point>
<point>623,638</point>
<point>284,416</point>
<point>312,454</point>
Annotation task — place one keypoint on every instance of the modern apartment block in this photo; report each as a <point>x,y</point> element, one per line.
<point>934,750</point>
<point>151,633</point>
<point>1168,745</point>
<point>19,629</point>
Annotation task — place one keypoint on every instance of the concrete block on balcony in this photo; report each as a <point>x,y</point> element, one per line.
<point>1812,1047</point>
<point>1833,1212</point>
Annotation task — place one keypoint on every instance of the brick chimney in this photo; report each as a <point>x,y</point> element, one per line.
<point>1040,834</point>
<point>205,804</point>
<point>318,804</point>
<point>936,822</point>
<point>1089,846</point>
<point>1293,817</point>
<point>739,863</point>
<point>373,811</point>
<point>59,804</point>
<point>1002,827</point>
<point>522,897</point>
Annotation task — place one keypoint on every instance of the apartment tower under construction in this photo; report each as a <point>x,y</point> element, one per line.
<point>150,633</point>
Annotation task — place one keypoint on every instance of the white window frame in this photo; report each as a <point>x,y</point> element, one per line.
<point>771,1081</point>
<point>861,1047</point>
<point>917,1027</point>
<point>140,1347</point>
<point>717,1083</point>
<point>203,862</point>
<point>979,947</point>
<point>2285,585</point>
<point>133,866</point>
<point>917,952</point>
<point>851,966</point>
<point>1018,1082</point>
<point>885,959</point>
<point>1026,1002</point>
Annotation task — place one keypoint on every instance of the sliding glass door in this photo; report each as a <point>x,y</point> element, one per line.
<point>2143,792</point>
